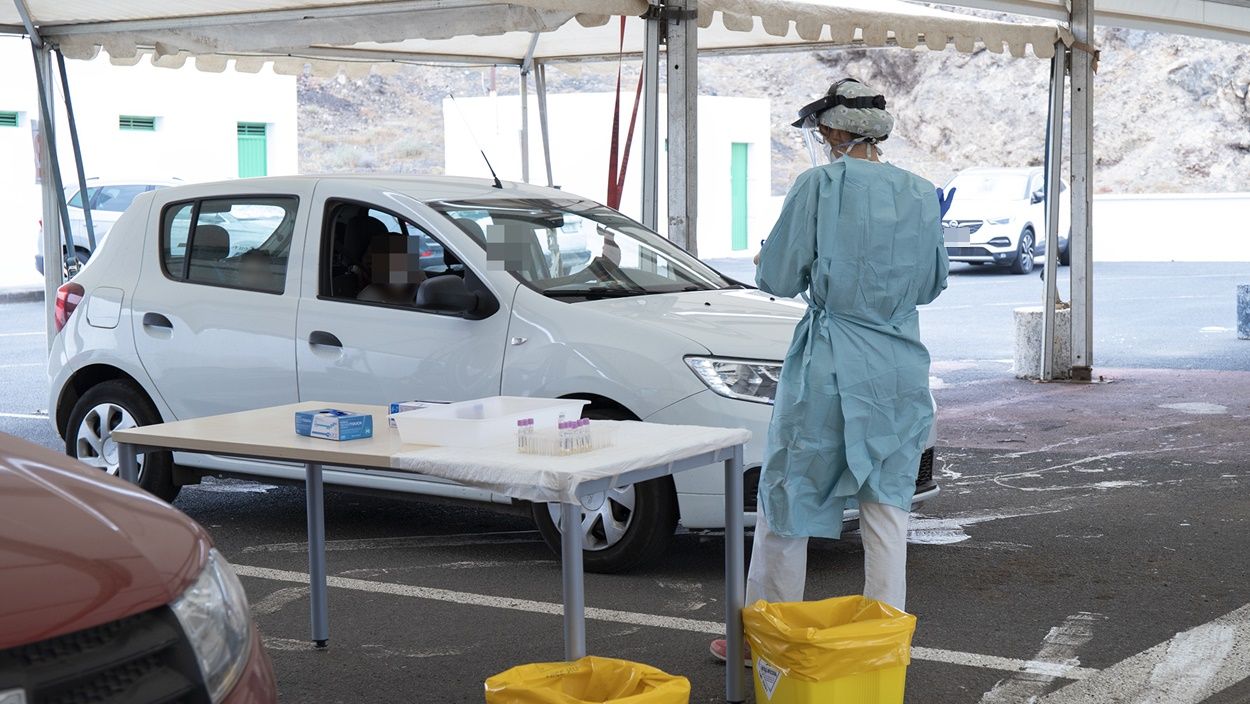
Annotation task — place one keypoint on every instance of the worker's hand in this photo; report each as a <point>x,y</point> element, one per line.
<point>945,200</point>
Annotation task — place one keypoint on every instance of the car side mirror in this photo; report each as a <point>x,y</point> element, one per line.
<point>1038,196</point>
<point>448,295</point>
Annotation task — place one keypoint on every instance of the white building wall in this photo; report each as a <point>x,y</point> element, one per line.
<point>195,139</point>
<point>581,133</point>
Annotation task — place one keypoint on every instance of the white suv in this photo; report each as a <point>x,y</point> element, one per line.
<point>223,297</point>
<point>998,217</point>
<point>108,199</point>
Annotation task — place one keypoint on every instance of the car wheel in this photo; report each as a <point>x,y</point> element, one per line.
<point>1024,256</point>
<point>621,528</point>
<point>117,405</point>
<point>1065,254</point>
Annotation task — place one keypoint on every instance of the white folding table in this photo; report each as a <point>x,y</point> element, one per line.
<point>641,451</point>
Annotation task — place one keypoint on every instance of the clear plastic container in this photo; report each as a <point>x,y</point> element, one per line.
<point>486,422</point>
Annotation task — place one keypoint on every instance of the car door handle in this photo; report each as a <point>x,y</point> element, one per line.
<point>323,338</point>
<point>156,320</point>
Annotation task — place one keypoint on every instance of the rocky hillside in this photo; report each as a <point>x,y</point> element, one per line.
<point>1172,113</point>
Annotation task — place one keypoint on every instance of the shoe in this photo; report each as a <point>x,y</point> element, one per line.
<point>719,646</point>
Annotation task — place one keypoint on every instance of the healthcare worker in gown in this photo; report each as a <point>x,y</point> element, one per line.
<point>861,241</point>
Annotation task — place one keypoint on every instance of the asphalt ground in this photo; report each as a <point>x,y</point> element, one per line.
<point>1089,544</point>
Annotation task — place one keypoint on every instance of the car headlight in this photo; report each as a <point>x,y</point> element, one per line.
<point>740,379</point>
<point>999,221</point>
<point>213,611</point>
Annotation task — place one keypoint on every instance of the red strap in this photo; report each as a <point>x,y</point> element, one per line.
<point>614,193</point>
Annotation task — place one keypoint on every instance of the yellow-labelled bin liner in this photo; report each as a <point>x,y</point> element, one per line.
<point>851,649</point>
<point>586,681</point>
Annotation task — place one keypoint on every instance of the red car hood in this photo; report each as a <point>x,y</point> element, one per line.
<point>79,548</point>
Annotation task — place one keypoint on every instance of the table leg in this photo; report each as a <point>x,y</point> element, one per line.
<point>735,579</point>
<point>128,462</point>
<point>574,581</point>
<point>317,555</point>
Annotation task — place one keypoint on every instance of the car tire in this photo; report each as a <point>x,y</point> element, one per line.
<point>1065,253</point>
<point>80,256</point>
<point>1025,253</point>
<point>109,406</point>
<point>648,525</point>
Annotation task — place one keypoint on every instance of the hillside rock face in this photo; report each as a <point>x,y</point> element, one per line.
<point>1172,114</point>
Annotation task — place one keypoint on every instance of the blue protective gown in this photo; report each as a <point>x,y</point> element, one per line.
<point>863,241</point>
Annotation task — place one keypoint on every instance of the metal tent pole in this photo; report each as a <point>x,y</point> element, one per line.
<point>1054,166</point>
<point>540,86</point>
<point>526,66</point>
<point>73,138</point>
<point>1081,244</point>
<point>651,119</point>
<point>683,99</point>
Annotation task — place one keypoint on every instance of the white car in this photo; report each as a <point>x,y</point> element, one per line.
<point>108,199</point>
<point>998,217</point>
<point>172,321</point>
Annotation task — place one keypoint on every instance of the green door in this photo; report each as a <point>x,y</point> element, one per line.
<point>738,195</point>
<point>252,150</point>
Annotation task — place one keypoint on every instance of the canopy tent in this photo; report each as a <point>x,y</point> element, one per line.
<point>474,31</point>
<point>354,34</point>
<point>1226,20</point>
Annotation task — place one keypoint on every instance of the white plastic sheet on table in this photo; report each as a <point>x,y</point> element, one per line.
<point>506,471</point>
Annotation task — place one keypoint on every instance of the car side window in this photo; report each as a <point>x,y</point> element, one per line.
<point>370,255</point>
<point>239,242</point>
<point>115,198</point>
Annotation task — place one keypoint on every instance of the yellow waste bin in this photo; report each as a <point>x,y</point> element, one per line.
<point>590,680</point>
<point>848,650</point>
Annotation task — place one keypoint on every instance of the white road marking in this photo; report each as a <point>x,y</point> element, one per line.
<point>273,602</point>
<point>1188,668</point>
<point>1059,647</point>
<point>1200,409</point>
<point>689,625</point>
<point>22,334</point>
<point>23,364</point>
<point>922,530</point>
<point>410,541</point>
<point>26,416</point>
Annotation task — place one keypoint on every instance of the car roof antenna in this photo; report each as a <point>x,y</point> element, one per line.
<point>469,127</point>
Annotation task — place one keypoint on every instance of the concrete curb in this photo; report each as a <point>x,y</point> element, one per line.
<point>20,295</point>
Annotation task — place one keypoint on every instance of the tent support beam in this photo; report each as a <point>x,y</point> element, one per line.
<point>52,247</point>
<point>1054,167</point>
<point>527,66</point>
<point>651,120</point>
<point>1081,244</point>
<point>73,138</point>
<point>540,86</point>
<point>683,99</point>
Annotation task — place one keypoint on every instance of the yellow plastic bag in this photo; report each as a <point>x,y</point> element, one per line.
<point>591,680</point>
<point>817,641</point>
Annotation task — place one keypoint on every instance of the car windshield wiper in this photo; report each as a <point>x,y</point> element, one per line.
<point>593,292</point>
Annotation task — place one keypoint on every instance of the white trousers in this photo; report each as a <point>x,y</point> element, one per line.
<point>779,564</point>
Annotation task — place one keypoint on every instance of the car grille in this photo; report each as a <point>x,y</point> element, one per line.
<point>140,659</point>
<point>925,475</point>
<point>751,480</point>
<point>966,252</point>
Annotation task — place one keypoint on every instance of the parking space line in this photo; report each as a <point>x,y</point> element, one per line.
<point>21,365</point>
<point>26,416</point>
<point>689,625</point>
<point>22,334</point>
<point>410,541</point>
<point>1186,669</point>
<point>1059,647</point>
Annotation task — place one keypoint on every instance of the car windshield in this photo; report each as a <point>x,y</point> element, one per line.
<point>578,249</point>
<point>991,186</point>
